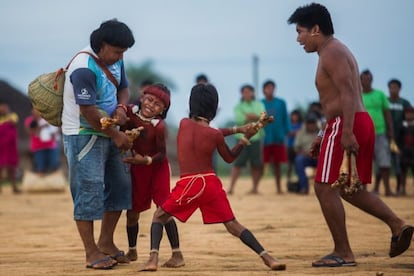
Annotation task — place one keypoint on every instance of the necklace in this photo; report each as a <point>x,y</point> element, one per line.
<point>203,119</point>
<point>325,44</point>
<point>144,118</point>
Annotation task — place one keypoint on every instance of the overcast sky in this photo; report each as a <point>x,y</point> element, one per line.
<point>216,37</point>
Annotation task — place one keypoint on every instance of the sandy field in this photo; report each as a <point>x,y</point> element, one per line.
<point>38,237</point>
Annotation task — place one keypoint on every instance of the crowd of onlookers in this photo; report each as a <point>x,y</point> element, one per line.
<point>288,139</point>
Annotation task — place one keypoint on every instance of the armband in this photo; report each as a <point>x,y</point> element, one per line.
<point>122,106</point>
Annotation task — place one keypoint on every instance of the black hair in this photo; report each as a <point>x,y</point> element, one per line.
<point>203,101</point>
<point>201,78</point>
<point>246,86</point>
<point>297,113</point>
<point>395,81</point>
<point>313,14</point>
<point>269,82</point>
<point>146,82</point>
<point>366,72</point>
<point>250,87</point>
<point>113,32</point>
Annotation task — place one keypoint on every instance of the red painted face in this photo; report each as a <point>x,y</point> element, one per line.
<point>151,106</point>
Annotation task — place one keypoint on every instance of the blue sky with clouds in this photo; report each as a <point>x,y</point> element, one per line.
<point>218,38</point>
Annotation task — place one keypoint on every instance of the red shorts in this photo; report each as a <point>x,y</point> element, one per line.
<point>204,191</point>
<point>331,152</point>
<point>150,182</point>
<point>275,153</point>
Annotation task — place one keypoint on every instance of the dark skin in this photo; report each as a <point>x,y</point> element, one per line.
<point>196,158</point>
<point>384,172</point>
<point>337,81</point>
<point>105,246</point>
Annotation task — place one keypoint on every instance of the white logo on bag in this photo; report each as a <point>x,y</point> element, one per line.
<point>84,94</point>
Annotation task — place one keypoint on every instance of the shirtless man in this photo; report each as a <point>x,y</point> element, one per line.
<point>348,128</point>
<point>199,187</point>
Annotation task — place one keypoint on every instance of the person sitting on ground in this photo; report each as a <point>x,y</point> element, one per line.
<point>302,145</point>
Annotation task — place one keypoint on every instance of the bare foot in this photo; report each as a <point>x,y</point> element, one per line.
<point>132,255</point>
<point>152,263</point>
<point>176,260</point>
<point>272,263</point>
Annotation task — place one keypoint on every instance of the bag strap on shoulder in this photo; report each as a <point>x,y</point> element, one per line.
<point>100,63</point>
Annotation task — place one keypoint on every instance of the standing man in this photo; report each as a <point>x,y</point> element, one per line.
<point>397,106</point>
<point>350,128</point>
<point>99,181</point>
<point>248,111</point>
<point>378,108</point>
<point>274,149</point>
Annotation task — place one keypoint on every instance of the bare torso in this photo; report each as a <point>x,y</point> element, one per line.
<point>337,81</point>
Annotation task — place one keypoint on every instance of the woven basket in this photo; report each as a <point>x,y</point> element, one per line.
<point>46,95</point>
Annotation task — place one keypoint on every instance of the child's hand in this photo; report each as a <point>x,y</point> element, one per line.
<point>120,116</point>
<point>247,129</point>
<point>136,159</point>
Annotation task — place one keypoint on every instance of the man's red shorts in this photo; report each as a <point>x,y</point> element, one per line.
<point>204,191</point>
<point>331,152</point>
<point>150,182</point>
<point>275,153</point>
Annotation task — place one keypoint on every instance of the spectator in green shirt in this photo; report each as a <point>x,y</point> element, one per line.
<point>248,110</point>
<point>378,108</point>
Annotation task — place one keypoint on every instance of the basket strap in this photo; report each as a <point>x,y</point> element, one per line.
<point>100,63</point>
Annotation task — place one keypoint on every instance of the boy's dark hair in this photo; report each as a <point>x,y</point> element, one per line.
<point>201,78</point>
<point>203,101</point>
<point>313,14</point>
<point>366,72</point>
<point>269,82</point>
<point>114,33</point>
<point>395,81</point>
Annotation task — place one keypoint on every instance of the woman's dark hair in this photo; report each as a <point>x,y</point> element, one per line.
<point>313,14</point>
<point>249,87</point>
<point>114,33</point>
<point>203,101</point>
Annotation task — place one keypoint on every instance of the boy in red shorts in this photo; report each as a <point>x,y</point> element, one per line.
<point>199,187</point>
<point>150,169</point>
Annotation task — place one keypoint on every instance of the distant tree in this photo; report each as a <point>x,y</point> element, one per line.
<point>138,73</point>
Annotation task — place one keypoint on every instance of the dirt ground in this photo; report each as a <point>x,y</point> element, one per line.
<point>38,237</point>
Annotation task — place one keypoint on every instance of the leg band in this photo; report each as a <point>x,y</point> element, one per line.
<point>172,233</point>
<point>156,235</point>
<point>132,232</point>
<point>248,239</point>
